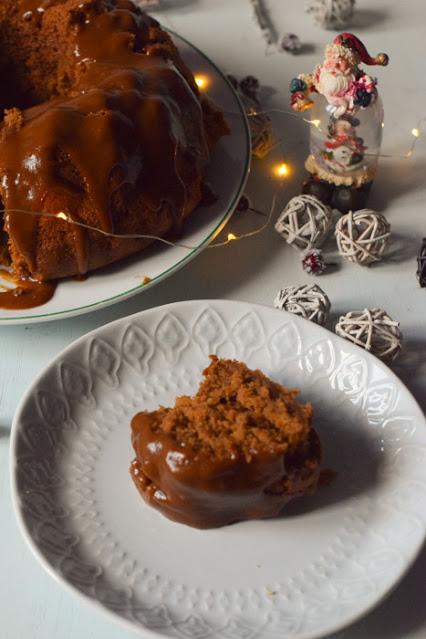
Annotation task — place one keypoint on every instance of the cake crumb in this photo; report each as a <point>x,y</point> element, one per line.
<point>146,280</point>
<point>237,410</point>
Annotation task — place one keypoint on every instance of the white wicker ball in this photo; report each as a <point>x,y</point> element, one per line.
<point>373,330</point>
<point>308,301</point>
<point>305,222</point>
<point>362,236</point>
<point>331,14</point>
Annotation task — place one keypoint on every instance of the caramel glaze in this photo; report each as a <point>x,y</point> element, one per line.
<point>34,9</point>
<point>205,492</point>
<point>121,118</point>
<point>26,293</point>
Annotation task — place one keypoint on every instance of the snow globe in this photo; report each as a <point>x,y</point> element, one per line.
<point>346,120</point>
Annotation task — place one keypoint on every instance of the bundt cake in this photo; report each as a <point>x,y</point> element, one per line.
<point>241,448</point>
<point>103,125</point>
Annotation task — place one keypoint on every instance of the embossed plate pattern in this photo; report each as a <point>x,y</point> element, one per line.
<point>328,560</point>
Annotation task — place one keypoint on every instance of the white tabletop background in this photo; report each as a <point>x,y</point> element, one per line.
<point>32,605</point>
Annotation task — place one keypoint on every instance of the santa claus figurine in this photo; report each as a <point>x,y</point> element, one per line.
<point>337,163</point>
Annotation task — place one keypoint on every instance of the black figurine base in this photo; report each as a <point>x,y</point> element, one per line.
<point>343,198</point>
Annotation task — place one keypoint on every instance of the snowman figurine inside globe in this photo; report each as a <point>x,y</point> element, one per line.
<point>346,123</point>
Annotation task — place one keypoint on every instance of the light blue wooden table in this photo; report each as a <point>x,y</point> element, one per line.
<point>33,606</point>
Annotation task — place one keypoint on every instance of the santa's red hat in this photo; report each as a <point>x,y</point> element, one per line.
<point>350,41</point>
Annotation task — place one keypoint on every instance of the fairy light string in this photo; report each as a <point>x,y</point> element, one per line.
<point>281,170</point>
<point>416,132</point>
<point>231,237</point>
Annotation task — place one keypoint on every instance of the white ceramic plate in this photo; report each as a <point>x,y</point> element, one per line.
<point>227,175</point>
<point>323,564</point>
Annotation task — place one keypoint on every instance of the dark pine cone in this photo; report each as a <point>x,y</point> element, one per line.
<point>421,264</point>
<point>250,87</point>
<point>243,204</point>
<point>313,262</point>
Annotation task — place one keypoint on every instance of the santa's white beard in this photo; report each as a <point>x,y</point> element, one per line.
<point>332,84</point>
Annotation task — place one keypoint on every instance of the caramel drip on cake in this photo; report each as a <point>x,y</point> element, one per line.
<point>107,128</point>
<point>120,128</point>
<point>241,448</point>
<point>26,293</point>
<point>200,490</point>
<point>33,10</point>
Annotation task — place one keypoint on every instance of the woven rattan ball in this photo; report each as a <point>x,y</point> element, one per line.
<point>362,236</point>
<point>305,222</point>
<point>373,330</point>
<point>308,301</point>
<point>331,14</point>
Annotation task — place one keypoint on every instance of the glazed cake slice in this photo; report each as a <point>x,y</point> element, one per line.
<point>241,448</point>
